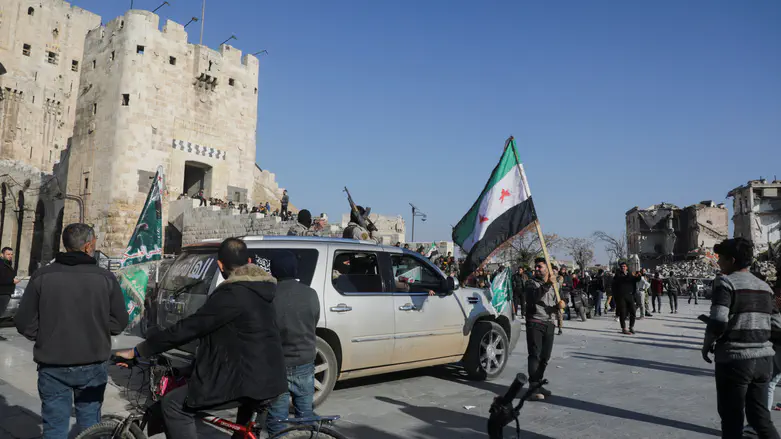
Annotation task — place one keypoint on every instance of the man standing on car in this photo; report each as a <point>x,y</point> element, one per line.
<point>298,311</point>
<point>71,308</point>
<point>239,358</point>
<point>540,307</point>
<point>739,333</point>
<point>8,278</point>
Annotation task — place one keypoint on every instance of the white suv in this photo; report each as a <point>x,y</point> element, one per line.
<point>377,314</point>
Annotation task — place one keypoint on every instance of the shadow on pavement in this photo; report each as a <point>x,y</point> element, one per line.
<point>696,328</point>
<point>597,408</point>
<point>617,331</point>
<point>660,345</point>
<point>576,404</point>
<point>18,422</point>
<point>443,423</point>
<point>647,364</point>
<point>652,339</point>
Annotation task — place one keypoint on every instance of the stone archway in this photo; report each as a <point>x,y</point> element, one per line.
<point>36,247</point>
<point>19,226</point>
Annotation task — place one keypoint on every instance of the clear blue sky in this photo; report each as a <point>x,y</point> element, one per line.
<point>613,104</point>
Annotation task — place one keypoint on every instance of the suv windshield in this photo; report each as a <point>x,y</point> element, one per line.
<point>193,272</point>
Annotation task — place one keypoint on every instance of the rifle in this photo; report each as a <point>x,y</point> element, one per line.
<point>363,220</point>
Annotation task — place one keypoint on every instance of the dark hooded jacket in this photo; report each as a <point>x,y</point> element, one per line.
<point>240,353</point>
<point>298,311</point>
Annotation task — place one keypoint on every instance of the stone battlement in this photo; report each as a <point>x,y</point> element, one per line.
<point>136,23</point>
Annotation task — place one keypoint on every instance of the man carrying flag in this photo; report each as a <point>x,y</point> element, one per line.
<point>504,210</point>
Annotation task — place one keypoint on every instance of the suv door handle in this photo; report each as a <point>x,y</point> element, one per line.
<point>341,308</point>
<point>408,307</point>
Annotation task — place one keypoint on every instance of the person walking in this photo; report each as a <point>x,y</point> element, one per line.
<point>657,287</point>
<point>541,305</point>
<point>739,335</point>
<point>565,288</point>
<point>641,295</point>
<point>298,311</point>
<point>70,309</point>
<point>597,289</point>
<point>693,291</point>
<point>8,278</point>
<point>519,280</point>
<point>607,285</point>
<point>673,290</point>
<point>624,289</point>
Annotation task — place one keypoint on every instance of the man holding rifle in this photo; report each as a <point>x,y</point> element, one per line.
<point>360,226</point>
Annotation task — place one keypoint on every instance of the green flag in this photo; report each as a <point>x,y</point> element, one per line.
<point>501,290</point>
<point>145,246</point>
<point>146,243</point>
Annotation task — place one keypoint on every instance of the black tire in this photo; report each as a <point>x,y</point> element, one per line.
<point>308,432</point>
<point>480,364</point>
<point>326,371</point>
<point>106,429</point>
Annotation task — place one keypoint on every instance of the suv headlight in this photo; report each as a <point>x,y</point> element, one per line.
<point>18,293</point>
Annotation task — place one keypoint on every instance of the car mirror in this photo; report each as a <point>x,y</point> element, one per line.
<point>451,284</point>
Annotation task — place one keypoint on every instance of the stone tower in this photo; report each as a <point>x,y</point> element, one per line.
<point>41,46</point>
<point>148,98</point>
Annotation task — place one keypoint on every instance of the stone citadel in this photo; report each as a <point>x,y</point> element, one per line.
<point>89,111</point>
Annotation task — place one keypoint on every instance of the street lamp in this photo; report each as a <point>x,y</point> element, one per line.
<point>416,212</point>
<point>232,37</point>
<point>161,5</point>
<point>194,19</point>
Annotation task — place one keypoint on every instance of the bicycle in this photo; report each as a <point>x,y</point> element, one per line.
<point>502,410</point>
<point>162,379</point>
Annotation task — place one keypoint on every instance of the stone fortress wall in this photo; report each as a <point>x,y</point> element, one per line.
<point>149,98</point>
<point>41,47</point>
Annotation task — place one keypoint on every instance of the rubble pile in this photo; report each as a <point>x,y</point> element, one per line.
<point>767,269</point>
<point>702,267</point>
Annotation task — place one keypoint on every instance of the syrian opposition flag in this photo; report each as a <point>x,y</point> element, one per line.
<point>432,251</point>
<point>503,210</point>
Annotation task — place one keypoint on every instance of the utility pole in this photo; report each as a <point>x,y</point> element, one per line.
<point>203,19</point>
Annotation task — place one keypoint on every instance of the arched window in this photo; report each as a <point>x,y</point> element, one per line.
<point>31,11</point>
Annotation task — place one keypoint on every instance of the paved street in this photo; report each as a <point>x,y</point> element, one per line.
<point>606,385</point>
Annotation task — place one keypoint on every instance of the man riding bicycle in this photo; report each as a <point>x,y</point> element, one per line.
<point>239,357</point>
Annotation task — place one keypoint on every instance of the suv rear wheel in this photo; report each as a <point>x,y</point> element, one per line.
<point>488,351</point>
<point>326,371</point>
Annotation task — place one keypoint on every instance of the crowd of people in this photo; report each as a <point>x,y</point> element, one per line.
<point>262,207</point>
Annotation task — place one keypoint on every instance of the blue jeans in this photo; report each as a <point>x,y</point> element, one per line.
<point>598,303</point>
<point>301,385</point>
<point>60,386</point>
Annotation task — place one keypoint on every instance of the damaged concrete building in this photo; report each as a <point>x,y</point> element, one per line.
<point>757,212</point>
<point>665,233</point>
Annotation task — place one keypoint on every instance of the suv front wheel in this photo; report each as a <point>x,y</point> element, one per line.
<point>488,351</point>
<point>326,371</point>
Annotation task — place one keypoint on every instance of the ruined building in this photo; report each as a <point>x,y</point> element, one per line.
<point>757,212</point>
<point>664,232</point>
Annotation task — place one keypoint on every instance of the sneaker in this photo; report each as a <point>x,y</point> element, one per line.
<point>625,332</point>
<point>676,311</point>
<point>648,314</point>
<point>632,331</point>
<point>544,392</point>
<point>560,332</point>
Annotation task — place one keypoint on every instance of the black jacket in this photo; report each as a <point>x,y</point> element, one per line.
<point>240,353</point>
<point>298,311</point>
<point>625,285</point>
<point>519,283</point>
<point>71,309</point>
<point>7,275</point>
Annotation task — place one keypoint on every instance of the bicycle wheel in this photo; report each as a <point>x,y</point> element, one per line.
<point>308,432</point>
<point>106,429</point>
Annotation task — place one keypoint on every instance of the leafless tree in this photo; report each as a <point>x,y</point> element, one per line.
<point>522,249</point>
<point>616,247</point>
<point>581,250</point>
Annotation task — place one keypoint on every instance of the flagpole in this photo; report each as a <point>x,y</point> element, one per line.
<point>537,225</point>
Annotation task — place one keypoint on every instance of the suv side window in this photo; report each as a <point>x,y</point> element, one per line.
<point>307,260</point>
<point>356,272</point>
<point>412,274</point>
